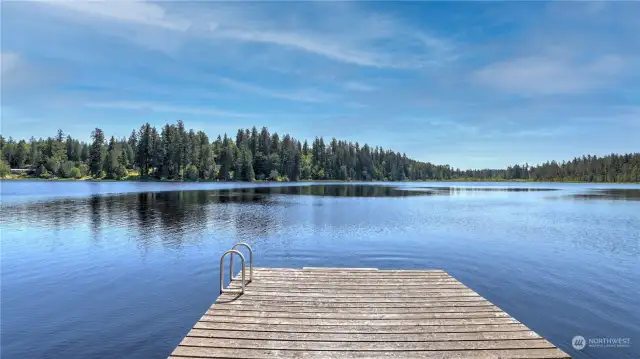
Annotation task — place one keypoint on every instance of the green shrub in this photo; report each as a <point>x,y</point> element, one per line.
<point>76,173</point>
<point>4,169</point>
<point>66,169</point>
<point>53,165</point>
<point>119,171</point>
<point>84,169</point>
<point>41,170</point>
<point>191,173</point>
<point>45,174</point>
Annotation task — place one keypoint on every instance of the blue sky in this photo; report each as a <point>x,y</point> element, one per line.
<point>474,85</point>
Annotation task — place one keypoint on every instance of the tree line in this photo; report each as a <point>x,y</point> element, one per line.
<point>175,153</point>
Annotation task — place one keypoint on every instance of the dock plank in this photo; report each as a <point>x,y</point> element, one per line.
<point>401,295</point>
<point>325,305</point>
<point>201,353</point>
<point>365,346</point>
<point>229,297</point>
<point>358,313</point>
<point>364,329</point>
<point>248,306</point>
<point>354,289</point>
<point>372,322</point>
<point>361,337</point>
<point>351,315</point>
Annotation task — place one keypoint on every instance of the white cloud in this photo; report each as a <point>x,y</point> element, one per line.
<point>331,50</point>
<point>129,11</point>
<point>549,76</point>
<point>158,107</point>
<point>340,31</point>
<point>350,50</point>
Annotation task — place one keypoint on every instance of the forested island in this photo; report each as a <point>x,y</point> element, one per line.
<point>175,153</point>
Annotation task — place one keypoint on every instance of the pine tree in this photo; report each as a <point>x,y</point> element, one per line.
<point>144,151</point>
<point>156,153</point>
<point>95,155</point>
<point>34,153</point>
<point>247,166</point>
<point>110,164</point>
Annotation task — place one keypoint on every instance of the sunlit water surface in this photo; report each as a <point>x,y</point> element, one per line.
<point>115,269</point>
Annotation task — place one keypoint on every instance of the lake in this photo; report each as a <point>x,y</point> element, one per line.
<point>124,269</point>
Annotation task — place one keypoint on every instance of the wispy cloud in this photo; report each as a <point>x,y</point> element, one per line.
<point>319,46</point>
<point>352,42</point>
<point>126,11</point>
<point>549,76</point>
<point>158,107</point>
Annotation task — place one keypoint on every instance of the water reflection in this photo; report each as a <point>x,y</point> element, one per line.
<point>615,193</point>
<point>168,209</point>
<point>337,190</point>
<point>191,210</point>
<point>461,190</point>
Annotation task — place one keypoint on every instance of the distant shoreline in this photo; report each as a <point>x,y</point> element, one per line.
<point>90,179</point>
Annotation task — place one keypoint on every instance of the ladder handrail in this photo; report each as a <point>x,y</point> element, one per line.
<point>250,261</point>
<point>232,252</point>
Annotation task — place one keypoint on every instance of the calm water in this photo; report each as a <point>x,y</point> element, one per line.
<point>113,270</point>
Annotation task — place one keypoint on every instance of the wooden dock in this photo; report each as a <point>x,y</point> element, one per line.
<point>358,313</point>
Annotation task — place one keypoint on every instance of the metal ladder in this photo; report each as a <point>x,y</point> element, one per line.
<point>233,251</point>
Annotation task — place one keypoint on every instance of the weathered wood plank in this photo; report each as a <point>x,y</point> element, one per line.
<point>366,346</point>
<point>358,275</point>
<point>403,322</point>
<point>227,297</point>
<point>345,269</point>
<point>401,294</point>
<point>344,274</point>
<point>332,306</point>
<point>392,282</point>
<point>361,337</point>
<point>196,352</point>
<point>364,329</point>
<point>348,281</point>
<point>258,284</point>
<point>351,283</point>
<point>199,352</point>
<point>357,291</point>
<point>485,307</point>
<point>354,316</point>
